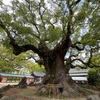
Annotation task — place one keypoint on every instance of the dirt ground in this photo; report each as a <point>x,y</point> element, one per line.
<point>29,94</point>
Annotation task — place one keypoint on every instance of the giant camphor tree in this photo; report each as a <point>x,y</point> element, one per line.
<point>52,29</point>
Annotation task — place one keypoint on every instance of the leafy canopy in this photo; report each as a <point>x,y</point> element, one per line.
<point>36,21</point>
<point>43,20</point>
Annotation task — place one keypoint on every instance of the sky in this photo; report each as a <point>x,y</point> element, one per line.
<point>7,1</point>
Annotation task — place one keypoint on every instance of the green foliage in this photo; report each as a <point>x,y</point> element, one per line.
<point>94,77</point>
<point>96,59</point>
<point>6,65</point>
<point>80,16</point>
<point>34,67</point>
<point>93,29</point>
<point>54,33</point>
<point>8,61</point>
<point>95,39</point>
<point>34,21</point>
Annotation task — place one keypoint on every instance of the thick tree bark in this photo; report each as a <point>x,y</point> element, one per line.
<point>57,73</point>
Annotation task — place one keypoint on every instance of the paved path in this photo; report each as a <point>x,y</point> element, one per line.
<point>4,84</point>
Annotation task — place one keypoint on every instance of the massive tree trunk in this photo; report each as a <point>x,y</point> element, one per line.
<point>58,73</point>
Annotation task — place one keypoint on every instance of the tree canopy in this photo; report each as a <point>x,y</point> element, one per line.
<point>43,25</point>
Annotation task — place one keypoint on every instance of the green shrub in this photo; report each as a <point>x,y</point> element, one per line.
<point>94,77</point>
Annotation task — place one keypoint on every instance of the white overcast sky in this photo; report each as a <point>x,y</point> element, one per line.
<point>6,1</point>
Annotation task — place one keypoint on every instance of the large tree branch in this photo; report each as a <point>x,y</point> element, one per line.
<point>75,45</point>
<point>75,2</point>
<point>33,21</point>
<point>87,63</point>
<point>6,30</point>
<point>18,49</point>
<point>66,41</point>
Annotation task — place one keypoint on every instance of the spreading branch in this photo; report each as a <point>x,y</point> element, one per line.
<point>70,61</point>
<point>77,47</point>
<point>18,49</point>
<point>75,2</point>
<point>87,63</point>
